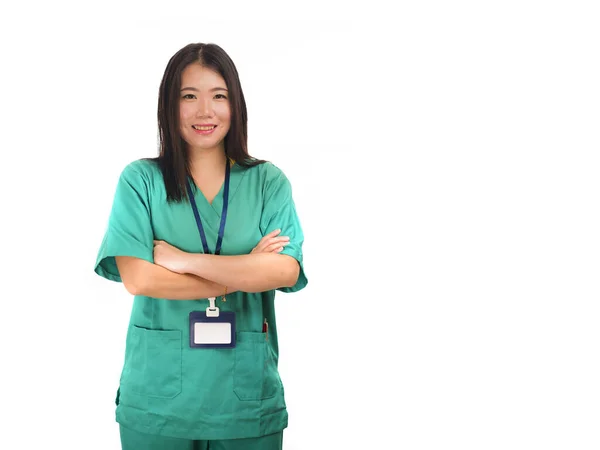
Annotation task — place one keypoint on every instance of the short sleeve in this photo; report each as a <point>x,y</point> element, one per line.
<point>129,231</point>
<point>279,212</point>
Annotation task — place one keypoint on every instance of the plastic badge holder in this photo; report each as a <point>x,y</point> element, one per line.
<point>212,328</point>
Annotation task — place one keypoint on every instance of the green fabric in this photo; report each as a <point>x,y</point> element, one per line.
<point>134,440</point>
<point>166,387</point>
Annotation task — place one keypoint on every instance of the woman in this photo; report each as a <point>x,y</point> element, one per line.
<point>202,220</point>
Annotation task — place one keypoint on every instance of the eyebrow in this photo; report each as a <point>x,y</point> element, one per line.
<point>196,90</point>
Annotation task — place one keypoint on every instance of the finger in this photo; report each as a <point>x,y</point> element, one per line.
<point>275,247</point>
<point>268,240</point>
<point>263,242</point>
<point>278,240</point>
<point>273,233</point>
<point>259,247</point>
<point>271,248</point>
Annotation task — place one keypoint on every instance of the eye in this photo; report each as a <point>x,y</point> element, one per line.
<point>189,96</point>
<point>221,96</point>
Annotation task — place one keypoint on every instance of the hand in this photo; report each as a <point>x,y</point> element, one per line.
<point>170,257</point>
<point>271,243</point>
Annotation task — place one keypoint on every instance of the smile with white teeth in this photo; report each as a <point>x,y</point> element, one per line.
<point>203,128</point>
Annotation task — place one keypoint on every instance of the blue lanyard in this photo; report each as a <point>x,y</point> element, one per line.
<point>223,213</point>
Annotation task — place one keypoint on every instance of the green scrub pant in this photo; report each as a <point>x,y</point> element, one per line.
<point>133,440</point>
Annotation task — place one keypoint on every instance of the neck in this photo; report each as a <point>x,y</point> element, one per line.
<point>203,162</point>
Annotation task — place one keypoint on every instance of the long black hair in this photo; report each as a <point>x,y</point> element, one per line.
<point>173,158</point>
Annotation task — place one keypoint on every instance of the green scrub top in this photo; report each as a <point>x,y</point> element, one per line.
<point>166,387</point>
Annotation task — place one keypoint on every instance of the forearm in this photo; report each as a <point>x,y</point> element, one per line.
<point>151,280</point>
<point>257,272</point>
<point>165,284</point>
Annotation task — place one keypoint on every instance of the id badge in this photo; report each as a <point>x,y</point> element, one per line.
<point>210,331</point>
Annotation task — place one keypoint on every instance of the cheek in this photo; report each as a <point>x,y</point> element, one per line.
<point>185,111</point>
<point>182,126</point>
<point>225,113</point>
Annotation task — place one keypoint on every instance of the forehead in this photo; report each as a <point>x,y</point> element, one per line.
<point>198,76</point>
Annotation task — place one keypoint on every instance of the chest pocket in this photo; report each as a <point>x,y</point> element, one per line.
<point>255,374</point>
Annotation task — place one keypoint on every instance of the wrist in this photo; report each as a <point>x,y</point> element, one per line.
<point>193,263</point>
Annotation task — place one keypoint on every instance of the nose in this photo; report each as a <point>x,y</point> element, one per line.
<point>204,107</point>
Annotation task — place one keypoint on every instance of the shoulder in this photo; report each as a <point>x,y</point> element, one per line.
<point>142,176</point>
<point>275,184</point>
<point>273,172</point>
<point>144,167</point>
<point>141,171</point>
<point>269,174</point>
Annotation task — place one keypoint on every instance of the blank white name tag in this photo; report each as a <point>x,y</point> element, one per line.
<point>212,332</point>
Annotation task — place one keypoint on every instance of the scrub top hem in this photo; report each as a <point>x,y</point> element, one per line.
<point>249,428</point>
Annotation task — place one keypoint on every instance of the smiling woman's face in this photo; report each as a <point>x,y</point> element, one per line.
<point>204,110</point>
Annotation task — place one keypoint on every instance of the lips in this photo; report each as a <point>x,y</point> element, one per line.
<point>208,127</point>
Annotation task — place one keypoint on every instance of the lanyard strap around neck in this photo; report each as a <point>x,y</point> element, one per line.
<point>223,213</point>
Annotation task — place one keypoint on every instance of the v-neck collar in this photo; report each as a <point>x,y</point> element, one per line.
<point>235,177</point>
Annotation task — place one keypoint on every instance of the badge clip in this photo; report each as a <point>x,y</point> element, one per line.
<point>212,310</point>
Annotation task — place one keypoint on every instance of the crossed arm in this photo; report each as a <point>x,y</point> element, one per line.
<point>179,275</point>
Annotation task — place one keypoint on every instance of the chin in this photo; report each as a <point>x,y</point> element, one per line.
<point>205,146</point>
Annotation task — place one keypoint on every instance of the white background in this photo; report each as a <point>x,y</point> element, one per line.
<point>444,159</point>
